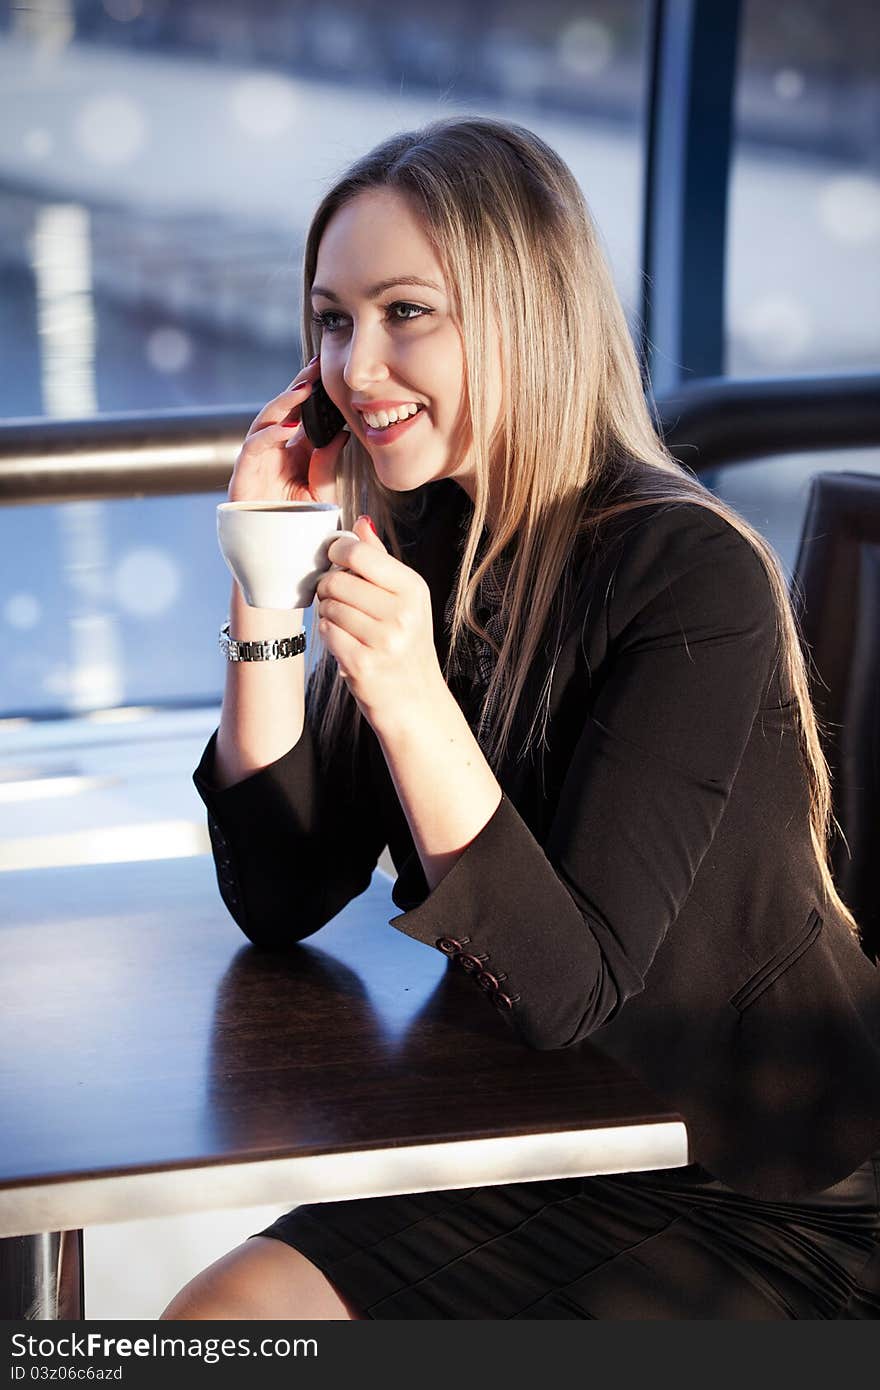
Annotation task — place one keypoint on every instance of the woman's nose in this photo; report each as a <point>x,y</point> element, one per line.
<point>365,362</point>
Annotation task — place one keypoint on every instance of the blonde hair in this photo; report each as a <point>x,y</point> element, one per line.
<point>522,259</point>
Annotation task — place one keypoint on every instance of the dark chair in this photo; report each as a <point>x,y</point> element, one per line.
<point>836,594</point>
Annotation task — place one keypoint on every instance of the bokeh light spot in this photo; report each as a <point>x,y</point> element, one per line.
<point>264,105</point>
<point>110,129</point>
<point>849,208</point>
<point>788,84</point>
<point>169,349</point>
<point>778,329</point>
<point>22,611</point>
<point>585,47</point>
<point>146,582</point>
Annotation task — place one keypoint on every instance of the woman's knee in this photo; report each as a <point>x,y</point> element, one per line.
<point>261,1279</point>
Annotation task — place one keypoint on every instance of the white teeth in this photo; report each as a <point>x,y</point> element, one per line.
<point>382,418</point>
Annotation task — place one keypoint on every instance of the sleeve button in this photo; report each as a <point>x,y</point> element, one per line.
<point>448,945</point>
<point>501,1000</point>
<point>467,962</point>
<point>486,980</point>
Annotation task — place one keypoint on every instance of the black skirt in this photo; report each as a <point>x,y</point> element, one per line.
<point>667,1244</point>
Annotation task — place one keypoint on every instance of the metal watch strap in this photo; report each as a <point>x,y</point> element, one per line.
<point>273,649</point>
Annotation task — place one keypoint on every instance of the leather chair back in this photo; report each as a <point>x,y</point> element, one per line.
<point>836,595</point>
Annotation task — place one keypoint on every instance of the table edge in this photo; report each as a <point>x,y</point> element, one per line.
<point>72,1204</point>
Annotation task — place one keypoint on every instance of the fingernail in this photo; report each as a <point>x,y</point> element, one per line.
<point>313,360</point>
<point>369,520</point>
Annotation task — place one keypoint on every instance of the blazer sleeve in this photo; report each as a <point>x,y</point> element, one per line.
<point>295,841</point>
<point>573,925</point>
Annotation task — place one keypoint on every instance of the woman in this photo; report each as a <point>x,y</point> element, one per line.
<point>562,682</point>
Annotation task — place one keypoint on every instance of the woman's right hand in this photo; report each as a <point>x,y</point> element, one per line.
<point>278,462</point>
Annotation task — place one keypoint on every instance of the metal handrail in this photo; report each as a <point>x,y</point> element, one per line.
<point>707,424</point>
<point>720,421</point>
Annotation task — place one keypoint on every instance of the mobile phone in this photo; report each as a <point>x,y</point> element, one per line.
<point>321,419</point>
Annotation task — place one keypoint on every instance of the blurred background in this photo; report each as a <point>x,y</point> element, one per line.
<point>159,164</point>
<point>158,167</point>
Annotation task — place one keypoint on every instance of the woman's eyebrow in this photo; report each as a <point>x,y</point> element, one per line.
<point>375,290</point>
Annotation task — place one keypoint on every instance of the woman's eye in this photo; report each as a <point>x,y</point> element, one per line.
<point>416,307</point>
<point>327,319</point>
<point>322,320</point>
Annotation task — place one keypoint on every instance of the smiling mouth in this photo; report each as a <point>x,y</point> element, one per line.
<point>387,434</point>
<point>380,419</point>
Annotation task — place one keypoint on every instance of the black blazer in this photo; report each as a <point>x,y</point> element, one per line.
<point>647,880</point>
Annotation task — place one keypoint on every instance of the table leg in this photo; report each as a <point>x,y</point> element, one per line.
<point>42,1277</point>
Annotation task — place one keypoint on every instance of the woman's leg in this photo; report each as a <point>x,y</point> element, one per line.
<point>260,1280</point>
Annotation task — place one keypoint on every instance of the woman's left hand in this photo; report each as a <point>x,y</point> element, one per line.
<point>375,617</point>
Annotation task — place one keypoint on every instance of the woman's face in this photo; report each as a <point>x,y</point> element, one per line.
<point>384,340</point>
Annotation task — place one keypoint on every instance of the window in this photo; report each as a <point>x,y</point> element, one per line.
<point>803,275</point>
<point>803,278</point>
<point>160,164</point>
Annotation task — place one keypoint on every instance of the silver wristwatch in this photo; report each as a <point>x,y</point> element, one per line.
<point>275,649</point>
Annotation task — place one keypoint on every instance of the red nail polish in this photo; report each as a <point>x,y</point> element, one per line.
<point>369,519</point>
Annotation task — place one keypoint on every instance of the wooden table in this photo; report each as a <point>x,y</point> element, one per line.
<point>153,1061</point>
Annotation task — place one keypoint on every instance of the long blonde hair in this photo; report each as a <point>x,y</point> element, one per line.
<point>522,258</point>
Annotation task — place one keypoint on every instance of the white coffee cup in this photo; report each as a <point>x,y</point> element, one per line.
<point>277,551</point>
